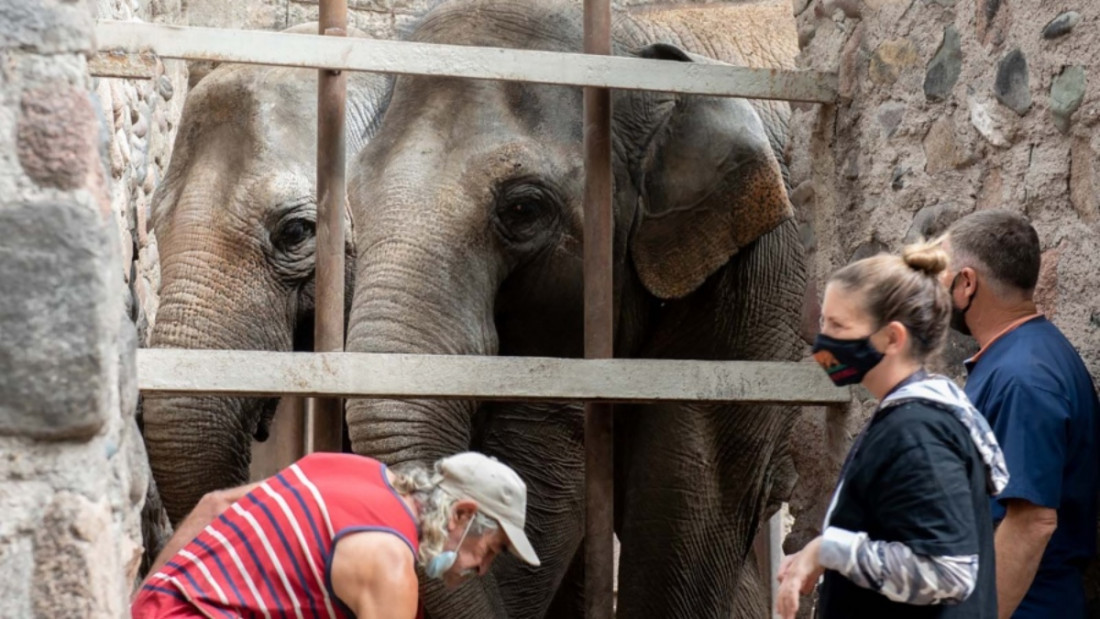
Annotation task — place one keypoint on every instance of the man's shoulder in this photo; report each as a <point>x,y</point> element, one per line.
<point>377,564</point>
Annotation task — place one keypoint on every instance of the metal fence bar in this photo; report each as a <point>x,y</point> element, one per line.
<point>406,57</point>
<point>123,65</point>
<point>266,373</point>
<point>326,415</point>
<point>599,325</point>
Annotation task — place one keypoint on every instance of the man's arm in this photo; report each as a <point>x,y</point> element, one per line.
<point>1020,542</point>
<point>373,573</point>
<point>210,506</point>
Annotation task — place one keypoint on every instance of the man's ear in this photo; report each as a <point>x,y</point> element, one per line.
<point>462,512</point>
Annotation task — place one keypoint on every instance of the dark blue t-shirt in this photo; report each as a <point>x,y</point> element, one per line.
<point>1040,400</point>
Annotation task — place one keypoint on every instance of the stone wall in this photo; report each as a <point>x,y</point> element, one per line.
<point>72,464</point>
<point>947,106</point>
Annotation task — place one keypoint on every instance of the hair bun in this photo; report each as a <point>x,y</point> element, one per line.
<point>928,258</point>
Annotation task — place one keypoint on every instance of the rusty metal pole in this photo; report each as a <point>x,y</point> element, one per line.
<point>598,322</point>
<point>326,415</point>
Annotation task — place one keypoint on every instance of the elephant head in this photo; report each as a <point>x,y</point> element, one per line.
<point>234,219</point>
<point>469,212</point>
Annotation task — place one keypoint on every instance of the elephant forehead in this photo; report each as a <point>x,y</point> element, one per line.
<point>521,156</point>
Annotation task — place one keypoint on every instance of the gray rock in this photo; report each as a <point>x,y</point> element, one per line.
<point>59,315</point>
<point>1067,91</point>
<point>897,179</point>
<point>1011,85</point>
<point>889,116</point>
<point>127,368</point>
<point>989,121</point>
<point>165,88</point>
<point>945,67</point>
<point>868,249</point>
<point>46,26</point>
<point>1061,25</point>
<point>930,222</point>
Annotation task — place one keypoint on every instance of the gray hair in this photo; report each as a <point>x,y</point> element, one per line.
<point>434,505</point>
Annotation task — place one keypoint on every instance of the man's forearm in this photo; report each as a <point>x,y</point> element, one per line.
<point>209,507</point>
<point>1019,545</point>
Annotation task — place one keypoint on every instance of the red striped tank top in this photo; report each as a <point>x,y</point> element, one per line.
<point>269,554</point>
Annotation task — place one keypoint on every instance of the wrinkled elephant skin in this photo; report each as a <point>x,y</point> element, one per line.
<point>468,204</point>
<point>234,218</point>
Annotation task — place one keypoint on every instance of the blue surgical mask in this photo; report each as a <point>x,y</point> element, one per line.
<point>445,560</point>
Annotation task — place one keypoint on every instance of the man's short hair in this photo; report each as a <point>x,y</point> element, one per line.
<point>1004,243</point>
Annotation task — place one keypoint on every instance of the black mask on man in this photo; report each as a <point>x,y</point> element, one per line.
<point>958,315</point>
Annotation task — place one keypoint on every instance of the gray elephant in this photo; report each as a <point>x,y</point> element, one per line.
<point>468,206</point>
<point>234,219</point>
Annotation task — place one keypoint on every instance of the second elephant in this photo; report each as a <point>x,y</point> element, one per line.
<point>469,212</point>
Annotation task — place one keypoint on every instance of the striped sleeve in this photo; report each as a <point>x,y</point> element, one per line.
<point>895,571</point>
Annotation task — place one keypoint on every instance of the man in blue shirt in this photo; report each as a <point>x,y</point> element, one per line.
<point>1034,389</point>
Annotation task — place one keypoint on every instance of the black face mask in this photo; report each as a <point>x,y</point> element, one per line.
<point>846,361</point>
<point>958,316</point>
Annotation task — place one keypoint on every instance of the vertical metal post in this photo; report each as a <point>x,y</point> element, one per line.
<point>325,417</point>
<point>598,322</point>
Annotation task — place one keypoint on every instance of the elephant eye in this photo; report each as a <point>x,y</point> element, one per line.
<point>292,233</point>
<point>524,213</point>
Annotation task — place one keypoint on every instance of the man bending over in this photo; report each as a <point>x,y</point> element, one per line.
<point>338,535</point>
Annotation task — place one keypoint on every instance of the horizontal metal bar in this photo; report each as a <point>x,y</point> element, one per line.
<point>345,375</point>
<point>411,58</point>
<point>121,64</point>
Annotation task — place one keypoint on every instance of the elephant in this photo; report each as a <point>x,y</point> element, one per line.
<point>468,207</point>
<point>234,218</point>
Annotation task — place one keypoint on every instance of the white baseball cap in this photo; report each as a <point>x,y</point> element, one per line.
<point>499,492</point>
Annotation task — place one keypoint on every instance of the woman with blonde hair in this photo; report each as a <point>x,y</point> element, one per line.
<point>908,531</point>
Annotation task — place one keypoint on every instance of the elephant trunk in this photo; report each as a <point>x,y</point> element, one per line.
<point>412,297</point>
<point>197,444</point>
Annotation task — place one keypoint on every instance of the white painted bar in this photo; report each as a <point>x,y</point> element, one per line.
<point>346,375</point>
<point>406,57</point>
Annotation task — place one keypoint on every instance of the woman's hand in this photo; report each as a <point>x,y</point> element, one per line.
<point>797,575</point>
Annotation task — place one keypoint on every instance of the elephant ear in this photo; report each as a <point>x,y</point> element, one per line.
<point>710,185</point>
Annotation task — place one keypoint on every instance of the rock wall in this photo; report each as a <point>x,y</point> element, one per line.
<point>72,464</point>
<point>947,106</point>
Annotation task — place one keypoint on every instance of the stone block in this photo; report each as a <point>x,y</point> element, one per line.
<point>1083,185</point>
<point>46,26</point>
<point>1067,91</point>
<point>941,152</point>
<point>127,368</point>
<point>992,17</point>
<point>56,137</point>
<point>991,194</point>
<point>16,568</point>
<point>990,122</point>
<point>1046,290</point>
<point>889,117</point>
<point>930,222</point>
<point>851,57</point>
<point>59,316</point>
<point>1011,85</point>
<point>75,561</point>
<point>890,59</point>
<point>945,67</point>
<point>1061,25</point>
